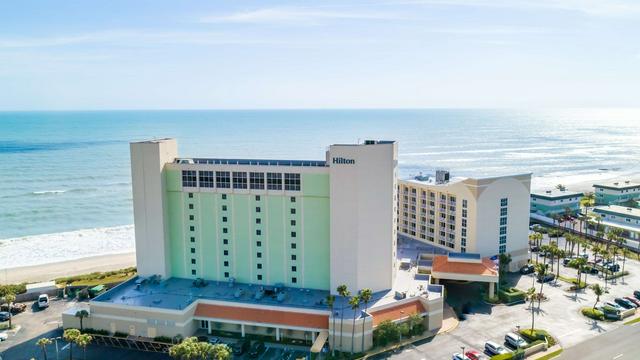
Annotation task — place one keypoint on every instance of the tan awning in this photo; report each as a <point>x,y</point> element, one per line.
<point>320,340</point>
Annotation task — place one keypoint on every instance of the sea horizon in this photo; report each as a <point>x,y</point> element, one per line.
<point>76,190</point>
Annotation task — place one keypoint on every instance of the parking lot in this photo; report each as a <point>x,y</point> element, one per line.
<point>560,315</point>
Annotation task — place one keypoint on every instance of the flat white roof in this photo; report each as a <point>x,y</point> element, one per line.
<point>553,193</point>
<point>617,209</point>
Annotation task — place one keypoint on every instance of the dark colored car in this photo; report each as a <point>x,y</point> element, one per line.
<point>4,316</point>
<point>614,268</point>
<point>546,278</point>
<point>633,300</point>
<point>240,347</point>
<point>535,249</point>
<point>256,349</point>
<point>625,303</point>
<point>202,338</point>
<point>636,293</point>
<point>527,269</point>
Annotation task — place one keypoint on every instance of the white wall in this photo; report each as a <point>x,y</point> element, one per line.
<point>363,216</point>
<point>147,161</point>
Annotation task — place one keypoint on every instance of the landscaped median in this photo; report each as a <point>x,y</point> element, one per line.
<point>538,341</point>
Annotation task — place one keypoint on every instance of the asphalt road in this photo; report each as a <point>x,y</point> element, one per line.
<point>619,344</point>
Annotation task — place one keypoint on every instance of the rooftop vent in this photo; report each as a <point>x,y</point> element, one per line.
<point>548,191</point>
<point>627,181</point>
<point>370,142</point>
<point>442,176</point>
<point>616,183</point>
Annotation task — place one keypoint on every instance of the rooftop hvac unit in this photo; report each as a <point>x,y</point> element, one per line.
<point>442,176</point>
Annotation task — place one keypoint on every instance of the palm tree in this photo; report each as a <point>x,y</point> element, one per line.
<point>342,291</point>
<point>541,271</point>
<point>580,262</point>
<point>365,297</point>
<point>9,298</point>
<point>560,254</point>
<point>82,341</point>
<point>221,352</point>
<point>81,314</point>
<point>612,235</point>
<point>185,350</point>
<point>70,336</point>
<point>531,295</point>
<point>330,301</point>
<point>625,253</point>
<point>42,343</point>
<point>354,301</point>
<point>598,291</point>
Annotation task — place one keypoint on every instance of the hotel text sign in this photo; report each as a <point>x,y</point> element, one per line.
<point>341,160</point>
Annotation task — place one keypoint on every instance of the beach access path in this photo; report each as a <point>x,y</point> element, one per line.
<point>45,272</point>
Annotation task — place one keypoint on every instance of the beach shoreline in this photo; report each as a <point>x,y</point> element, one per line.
<point>51,271</point>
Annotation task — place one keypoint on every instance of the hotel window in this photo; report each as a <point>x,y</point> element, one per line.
<point>293,257</point>
<point>223,181</point>
<point>257,209</point>
<point>503,230</point>
<point>225,241</point>
<point>464,222</point>
<point>191,217</point>
<point>502,249</point>
<point>464,203</point>
<point>190,195</point>
<point>464,213</point>
<point>293,223</point>
<point>293,268</point>
<point>259,277</point>
<point>258,220</point>
<point>503,239</point>
<point>257,197</point>
<point>293,199</point>
<point>190,206</point>
<point>258,232</point>
<point>239,180</point>
<point>193,239</point>
<point>224,207</point>
<point>503,221</point>
<point>192,228</point>
<point>274,181</point>
<point>292,182</point>
<point>226,263</point>
<point>503,211</point>
<point>225,230</point>
<point>193,261</point>
<point>259,266</point>
<point>293,245</point>
<point>256,181</point>
<point>503,202</point>
<point>258,243</point>
<point>293,211</point>
<point>259,255</point>
<point>193,250</point>
<point>224,219</point>
<point>206,179</point>
<point>293,234</point>
<point>294,280</point>
<point>193,272</point>
<point>189,178</point>
<point>225,252</point>
<point>224,196</point>
<point>226,274</point>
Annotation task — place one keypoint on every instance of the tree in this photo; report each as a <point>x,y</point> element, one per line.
<point>541,271</point>
<point>580,262</point>
<point>42,343</point>
<point>560,254</point>
<point>504,261</point>
<point>531,295</point>
<point>536,237</point>
<point>330,302</point>
<point>342,291</point>
<point>354,302</point>
<point>81,314</point>
<point>598,291</point>
<point>186,350</point>
<point>221,352</point>
<point>365,297</point>
<point>612,235</point>
<point>83,341</point>
<point>70,336</point>
<point>9,298</point>
<point>625,253</point>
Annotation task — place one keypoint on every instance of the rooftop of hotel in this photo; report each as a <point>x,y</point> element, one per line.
<point>256,162</point>
<point>617,209</point>
<point>556,193</point>
<point>618,184</point>
<point>431,180</point>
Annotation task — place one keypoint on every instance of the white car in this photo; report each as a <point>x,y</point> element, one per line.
<point>514,340</point>
<point>459,356</point>
<point>493,348</point>
<point>3,336</point>
<point>43,301</point>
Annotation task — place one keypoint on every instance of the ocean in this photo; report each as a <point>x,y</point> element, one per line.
<point>65,188</point>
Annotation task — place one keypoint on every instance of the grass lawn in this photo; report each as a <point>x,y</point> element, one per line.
<point>573,281</point>
<point>551,355</point>
<point>104,281</point>
<point>98,278</point>
<point>637,320</point>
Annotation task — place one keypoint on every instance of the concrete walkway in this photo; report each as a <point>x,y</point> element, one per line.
<point>544,353</point>
<point>449,319</point>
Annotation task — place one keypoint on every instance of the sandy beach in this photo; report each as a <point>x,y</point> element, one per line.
<point>51,271</point>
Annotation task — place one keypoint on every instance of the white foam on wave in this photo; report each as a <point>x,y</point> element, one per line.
<point>71,245</point>
<point>49,192</point>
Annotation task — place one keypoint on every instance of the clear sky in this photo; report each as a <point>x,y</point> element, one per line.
<point>158,54</point>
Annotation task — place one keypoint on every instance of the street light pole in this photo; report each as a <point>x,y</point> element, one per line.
<point>463,355</point>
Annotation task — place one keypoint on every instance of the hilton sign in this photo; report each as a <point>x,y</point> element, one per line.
<point>340,160</point>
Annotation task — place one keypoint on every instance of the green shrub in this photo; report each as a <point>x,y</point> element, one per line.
<point>592,313</point>
<point>511,295</point>
<point>120,334</point>
<point>95,331</point>
<point>386,332</point>
<point>537,334</point>
<point>516,355</point>
<point>163,339</point>
<point>15,289</point>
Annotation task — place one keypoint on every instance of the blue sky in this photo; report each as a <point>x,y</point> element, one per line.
<point>319,54</point>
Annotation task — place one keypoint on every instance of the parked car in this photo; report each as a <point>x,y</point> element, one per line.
<point>203,338</point>
<point>514,340</point>
<point>633,300</point>
<point>613,305</point>
<point>4,316</point>
<point>566,261</point>
<point>256,349</point>
<point>493,348</point>
<point>3,336</point>
<point>546,278</point>
<point>214,340</point>
<point>614,268</point>
<point>240,347</point>
<point>527,269</point>
<point>43,301</point>
<point>636,293</point>
<point>625,303</point>
<point>16,308</point>
<point>535,249</point>
<point>459,356</point>
<point>474,355</point>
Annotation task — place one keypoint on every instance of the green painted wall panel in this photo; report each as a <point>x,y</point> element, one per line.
<point>176,239</point>
<point>241,238</point>
<point>315,185</point>
<point>278,248</point>
<point>209,239</point>
<point>316,243</point>
<point>173,180</point>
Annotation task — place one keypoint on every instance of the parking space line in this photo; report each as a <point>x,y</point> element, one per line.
<point>617,356</point>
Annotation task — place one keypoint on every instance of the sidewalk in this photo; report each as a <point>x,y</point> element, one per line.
<point>449,319</point>
<point>544,353</point>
